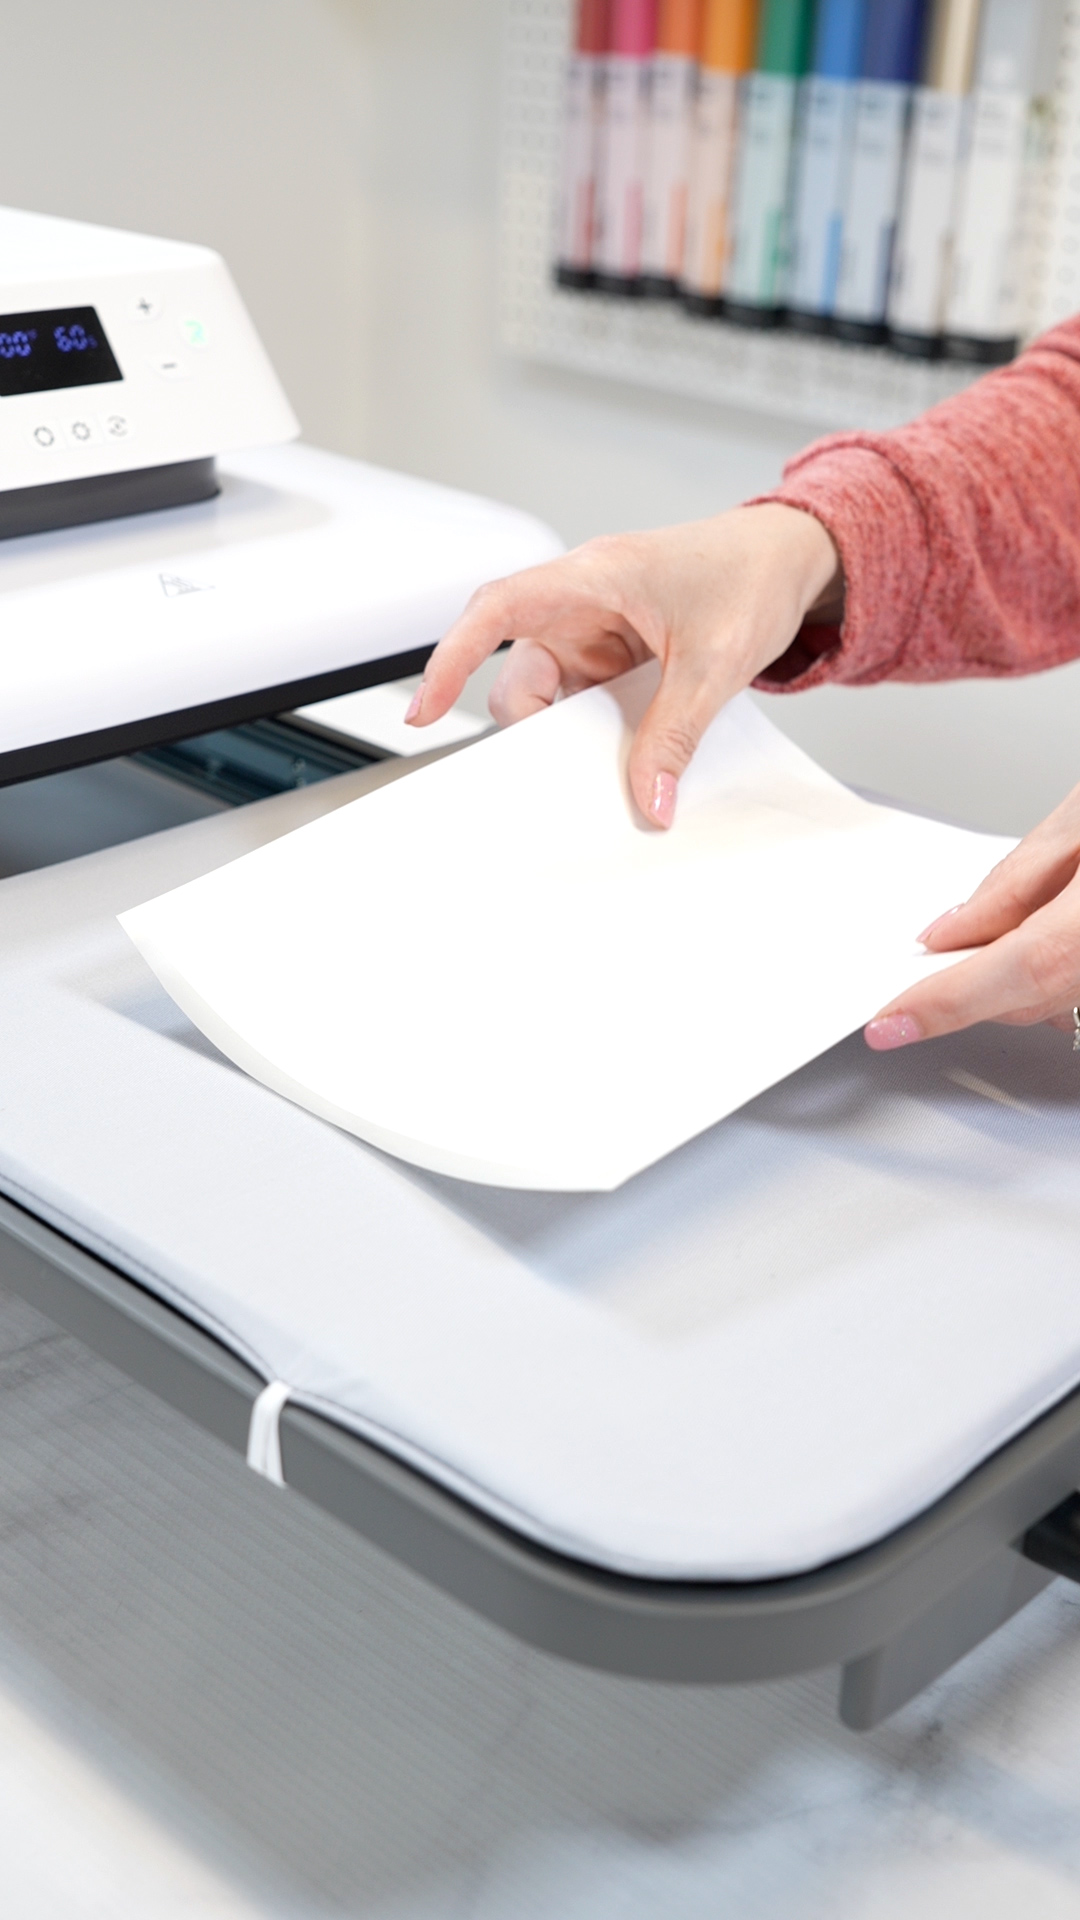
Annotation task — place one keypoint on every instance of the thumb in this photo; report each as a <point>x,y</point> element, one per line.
<point>667,738</point>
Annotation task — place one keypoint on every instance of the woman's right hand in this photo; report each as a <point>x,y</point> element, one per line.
<point>716,602</point>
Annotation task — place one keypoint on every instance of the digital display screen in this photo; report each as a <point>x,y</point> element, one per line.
<point>66,347</point>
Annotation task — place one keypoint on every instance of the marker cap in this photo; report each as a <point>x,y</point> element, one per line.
<point>892,47</point>
<point>838,39</point>
<point>729,35</point>
<point>633,28</point>
<point>592,26</point>
<point>678,27</point>
<point>950,55</point>
<point>784,37</point>
<point>1018,41</point>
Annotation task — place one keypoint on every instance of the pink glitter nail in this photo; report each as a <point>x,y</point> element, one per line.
<point>893,1030</point>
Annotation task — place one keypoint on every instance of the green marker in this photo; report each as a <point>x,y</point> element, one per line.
<point>757,272</point>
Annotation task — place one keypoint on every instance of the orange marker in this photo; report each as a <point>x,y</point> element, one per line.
<point>669,143</point>
<point>728,40</point>
<point>583,101</point>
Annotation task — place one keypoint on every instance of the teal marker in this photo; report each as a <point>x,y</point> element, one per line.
<point>755,285</point>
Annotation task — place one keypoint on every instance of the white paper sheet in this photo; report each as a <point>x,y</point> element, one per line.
<point>635,987</point>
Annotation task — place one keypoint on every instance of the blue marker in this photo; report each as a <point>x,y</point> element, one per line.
<point>826,120</point>
<point>893,46</point>
<point>891,65</point>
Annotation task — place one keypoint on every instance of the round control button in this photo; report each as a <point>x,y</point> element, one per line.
<point>45,436</point>
<point>145,307</point>
<point>171,367</point>
<point>194,332</point>
<point>83,431</point>
<point>117,426</point>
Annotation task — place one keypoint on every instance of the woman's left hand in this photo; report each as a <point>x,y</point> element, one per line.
<point>1026,918</point>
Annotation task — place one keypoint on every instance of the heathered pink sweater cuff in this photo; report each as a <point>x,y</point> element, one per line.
<point>872,516</point>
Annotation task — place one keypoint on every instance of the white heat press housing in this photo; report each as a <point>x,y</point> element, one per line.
<point>150,590</point>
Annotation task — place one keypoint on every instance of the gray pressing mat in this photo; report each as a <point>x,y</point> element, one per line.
<point>769,1350</point>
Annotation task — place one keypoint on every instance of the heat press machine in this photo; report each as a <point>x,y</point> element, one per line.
<point>170,561</point>
<point>806,1392</point>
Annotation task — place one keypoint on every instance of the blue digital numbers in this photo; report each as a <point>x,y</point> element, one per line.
<point>17,345</point>
<point>44,352</point>
<point>73,339</point>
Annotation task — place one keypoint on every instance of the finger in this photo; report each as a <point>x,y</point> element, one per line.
<point>563,604</point>
<point>487,621</point>
<point>1031,973</point>
<point>1029,877</point>
<point>687,699</point>
<point>530,679</point>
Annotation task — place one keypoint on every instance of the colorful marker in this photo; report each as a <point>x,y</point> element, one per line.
<point>668,143</point>
<point>729,39</point>
<point>582,106</point>
<point>824,127</point>
<point>1014,69</point>
<point>623,131</point>
<point>754,287</point>
<point>924,236</point>
<point>891,63</point>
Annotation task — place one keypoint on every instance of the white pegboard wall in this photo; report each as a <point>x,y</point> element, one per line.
<point>825,383</point>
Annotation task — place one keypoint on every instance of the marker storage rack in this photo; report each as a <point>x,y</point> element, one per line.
<point>824,381</point>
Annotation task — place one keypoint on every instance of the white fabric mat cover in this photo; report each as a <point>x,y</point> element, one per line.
<point>637,986</point>
<point>766,1351</point>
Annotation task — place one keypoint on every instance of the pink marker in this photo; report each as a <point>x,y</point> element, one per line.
<point>623,145</point>
<point>583,101</point>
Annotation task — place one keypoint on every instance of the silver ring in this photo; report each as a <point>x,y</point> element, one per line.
<point>1076,1029</point>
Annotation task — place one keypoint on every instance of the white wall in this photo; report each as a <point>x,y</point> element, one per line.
<point>229,121</point>
<point>343,155</point>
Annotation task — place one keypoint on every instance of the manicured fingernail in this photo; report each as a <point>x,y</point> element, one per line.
<point>415,704</point>
<point>893,1030</point>
<point>929,932</point>
<point>662,804</point>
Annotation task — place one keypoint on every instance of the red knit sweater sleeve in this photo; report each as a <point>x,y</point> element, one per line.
<point>959,534</point>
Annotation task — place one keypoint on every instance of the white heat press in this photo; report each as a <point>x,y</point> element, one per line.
<point>169,564</point>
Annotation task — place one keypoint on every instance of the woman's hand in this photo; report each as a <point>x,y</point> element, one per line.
<point>716,602</point>
<point>1026,918</point>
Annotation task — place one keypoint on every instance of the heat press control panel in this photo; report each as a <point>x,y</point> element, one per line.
<point>168,565</point>
<point>122,352</point>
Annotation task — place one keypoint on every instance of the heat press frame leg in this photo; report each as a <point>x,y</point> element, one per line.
<point>1054,1541</point>
<point>880,1683</point>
